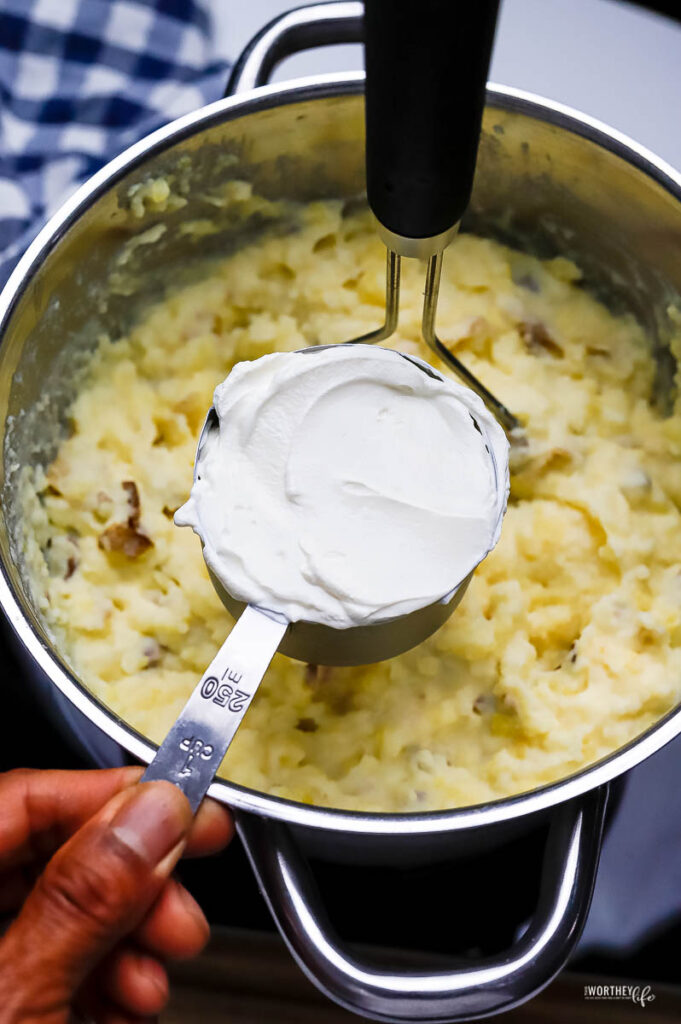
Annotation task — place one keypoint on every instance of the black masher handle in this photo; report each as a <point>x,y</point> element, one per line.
<point>426,66</point>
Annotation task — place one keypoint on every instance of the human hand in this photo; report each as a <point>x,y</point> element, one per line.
<point>86,859</point>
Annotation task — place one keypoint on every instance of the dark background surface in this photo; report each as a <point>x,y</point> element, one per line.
<point>672,8</point>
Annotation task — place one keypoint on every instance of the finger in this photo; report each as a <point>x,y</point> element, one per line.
<point>42,809</point>
<point>93,1007</point>
<point>212,830</point>
<point>96,1009</point>
<point>96,889</point>
<point>114,1016</point>
<point>175,927</point>
<point>134,981</point>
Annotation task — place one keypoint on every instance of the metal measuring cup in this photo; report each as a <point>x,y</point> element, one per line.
<point>193,750</point>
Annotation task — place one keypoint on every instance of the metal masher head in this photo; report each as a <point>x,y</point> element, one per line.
<point>509,422</point>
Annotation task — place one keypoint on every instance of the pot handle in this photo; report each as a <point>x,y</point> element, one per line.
<point>303,28</point>
<point>466,992</point>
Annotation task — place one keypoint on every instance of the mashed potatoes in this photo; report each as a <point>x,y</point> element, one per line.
<point>568,642</point>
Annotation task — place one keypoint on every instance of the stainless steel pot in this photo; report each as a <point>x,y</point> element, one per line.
<point>547,178</point>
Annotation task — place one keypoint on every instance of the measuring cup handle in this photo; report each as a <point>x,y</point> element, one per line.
<point>466,992</point>
<point>303,28</point>
<point>191,753</point>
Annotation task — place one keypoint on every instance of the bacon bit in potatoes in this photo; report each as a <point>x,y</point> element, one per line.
<point>538,341</point>
<point>130,488</point>
<point>307,725</point>
<point>126,538</point>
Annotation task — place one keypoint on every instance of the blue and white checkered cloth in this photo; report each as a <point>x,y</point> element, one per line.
<point>79,81</point>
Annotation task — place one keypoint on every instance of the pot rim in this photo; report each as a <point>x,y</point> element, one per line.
<point>319,87</point>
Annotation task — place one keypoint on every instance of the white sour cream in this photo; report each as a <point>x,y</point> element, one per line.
<point>345,485</point>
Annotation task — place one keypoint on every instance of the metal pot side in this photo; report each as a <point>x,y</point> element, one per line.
<point>548,179</point>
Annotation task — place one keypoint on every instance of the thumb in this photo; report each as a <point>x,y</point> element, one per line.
<point>94,890</point>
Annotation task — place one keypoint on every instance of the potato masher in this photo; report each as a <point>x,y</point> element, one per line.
<point>426,73</point>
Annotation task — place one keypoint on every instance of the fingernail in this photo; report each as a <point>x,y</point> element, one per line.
<point>153,820</point>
